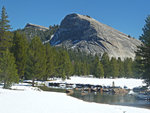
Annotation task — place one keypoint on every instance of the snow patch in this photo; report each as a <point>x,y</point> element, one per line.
<point>129,83</point>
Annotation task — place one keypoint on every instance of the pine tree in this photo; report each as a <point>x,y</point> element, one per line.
<point>64,67</point>
<point>68,65</point>
<point>114,68</point>
<point>106,64</point>
<point>121,67</point>
<point>144,52</point>
<point>137,67</point>
<point>128,67</point>
<point>98,68</point>
<point>5,35</point>
<point>8,73</point>
<point>84,68</point>
<point>4,26</point>
<point>19,49</point>
<point>78,68</point>
<point>50,59</point>
<point>36,60</point>
<point>60,72</point>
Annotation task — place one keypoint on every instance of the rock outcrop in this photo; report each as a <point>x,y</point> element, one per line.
<point>119,91</point>
<point>84,33</point>
<point>42,28</point>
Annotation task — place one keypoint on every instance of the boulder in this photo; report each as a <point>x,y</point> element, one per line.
<point>119,91</point>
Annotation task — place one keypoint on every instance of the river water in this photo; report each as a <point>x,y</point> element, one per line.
<point>125,100</point>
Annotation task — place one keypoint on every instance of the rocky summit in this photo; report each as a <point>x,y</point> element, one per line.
<point>42,28</point>
<point>81,32</point>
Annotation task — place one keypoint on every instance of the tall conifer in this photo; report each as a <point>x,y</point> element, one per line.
<point>5,35</point>
<point>36,64</point>
<point>98,70</point>
<point>8,74</point>
<point>114,68</point>
<point>106,64</point>
<point>19,49</point>
<point>4,22</point>
<point>144,52</point>
<point>50,60</point>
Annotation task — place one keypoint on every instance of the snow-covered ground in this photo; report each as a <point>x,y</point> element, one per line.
<point>23,98</point>
<point>130,83</point>
<point>30,100</point>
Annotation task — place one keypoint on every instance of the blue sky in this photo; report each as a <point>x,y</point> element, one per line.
<point>127,16</point>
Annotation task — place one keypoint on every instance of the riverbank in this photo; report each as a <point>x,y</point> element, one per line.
<point>27,99</point>
<point>118,82</point>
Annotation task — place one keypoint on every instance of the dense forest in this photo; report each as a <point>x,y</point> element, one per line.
<point>23,57</point>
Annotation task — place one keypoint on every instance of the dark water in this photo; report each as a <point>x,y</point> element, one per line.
<point>125,100</point>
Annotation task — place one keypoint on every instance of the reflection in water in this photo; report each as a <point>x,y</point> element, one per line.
<point>126,100</point>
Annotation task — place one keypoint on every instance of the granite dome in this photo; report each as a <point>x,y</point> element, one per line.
<point>86,34</point>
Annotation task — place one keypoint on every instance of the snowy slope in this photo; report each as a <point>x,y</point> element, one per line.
<point>33,101</point>
<point>130,83</point>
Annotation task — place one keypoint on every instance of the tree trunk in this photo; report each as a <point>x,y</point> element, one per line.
<point>33,82</point>
<point>4,84</point>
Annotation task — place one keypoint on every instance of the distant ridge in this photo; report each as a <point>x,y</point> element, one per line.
<point>29,25</point>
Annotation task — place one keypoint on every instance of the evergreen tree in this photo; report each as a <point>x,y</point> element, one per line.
<point>121,67</point>
<point>114,69</point>
<point>128,67</point>
<point>64,66</point>
<point>19,49</point>
<point>137,67</point>
<point>84,68</point>
<point>4,22</point>
<point>106,64</point>
<point>8,73</point>
<point>144,52</point>
<point>50,58</point>
<point>77,68</point>
<point>36,60</point>
<point>98,68</point>
<point>5,35</point>
<point>68,65</point>
<point>58,64</point>
<point>60,70</point>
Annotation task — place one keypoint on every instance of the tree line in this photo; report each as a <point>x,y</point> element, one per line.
<point>84,64</point>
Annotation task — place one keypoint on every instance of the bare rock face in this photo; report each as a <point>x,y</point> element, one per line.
<point>84,33</point>
<point>42,28</point>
